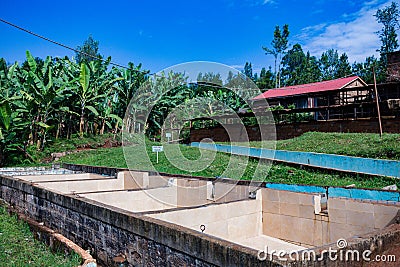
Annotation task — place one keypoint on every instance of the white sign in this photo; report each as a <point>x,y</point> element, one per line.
<point>157,148</point>
<point>168,135</point>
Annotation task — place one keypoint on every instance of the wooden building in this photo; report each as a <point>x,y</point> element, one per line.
<point>344,98</point>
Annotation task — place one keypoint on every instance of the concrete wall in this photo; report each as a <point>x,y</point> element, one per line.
<point>235,221</point>
<point>287,131</point>
<point>61,177</point>
<point>68,187</point>
<point>138,201</point>
<point>108,232</point>
<point>290,216</point>
<point>146,241</point>
<point>142,180</point>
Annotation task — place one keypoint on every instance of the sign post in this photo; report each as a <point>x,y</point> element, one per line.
<point>168,135</point>
<point>157,149</point>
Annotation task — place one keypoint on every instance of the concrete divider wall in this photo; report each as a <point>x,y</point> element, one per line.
<point>235,221</point>
<point>68,187</point>
<point>290,216</point>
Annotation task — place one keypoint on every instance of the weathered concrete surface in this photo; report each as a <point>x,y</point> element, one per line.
<point>109,232</point>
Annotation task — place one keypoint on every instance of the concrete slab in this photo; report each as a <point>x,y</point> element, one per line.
<point>262,242</point>
<point>62,177</point>
<point>138,201</point>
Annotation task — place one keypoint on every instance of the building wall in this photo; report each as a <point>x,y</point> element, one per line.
<point>394,66</point>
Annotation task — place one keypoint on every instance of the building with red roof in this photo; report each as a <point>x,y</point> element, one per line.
<point>312,88</point>
<point>319,96</point>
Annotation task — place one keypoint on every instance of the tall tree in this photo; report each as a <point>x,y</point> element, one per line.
<point>343,67</point>
<point>364,70</point>
<point>389,18</point>
<point>279,46</point>
<point>89,51</point>
<point>311,72</point>
<point>329,62</point>
<point>292,65</point>
<point>248,70</point>
<point>266,79</point>
<point>299,68</point>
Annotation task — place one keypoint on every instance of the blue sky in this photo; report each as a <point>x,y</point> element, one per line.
<point>160,34</point>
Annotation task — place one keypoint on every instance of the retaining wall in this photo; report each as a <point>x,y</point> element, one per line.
<point>287,131</point>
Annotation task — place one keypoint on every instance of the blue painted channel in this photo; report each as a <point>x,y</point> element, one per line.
<point>354,193</point>
<point>390,168</point>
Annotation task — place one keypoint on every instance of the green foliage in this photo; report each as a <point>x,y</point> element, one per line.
<point>299,68</point>
<point>389,18</point>
<point>365,70</point>
<point>266,80</point>
<point>44,100</point>
<point>289,118</point>
<point>248,70</point>
<point>89,51</point>
<point>19,248</point>
<point>279,45</point>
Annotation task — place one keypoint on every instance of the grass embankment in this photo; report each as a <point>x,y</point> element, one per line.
<point>43,158</point>
<point>208,166</point>
<point>364,145</point>
<point>19,248</point>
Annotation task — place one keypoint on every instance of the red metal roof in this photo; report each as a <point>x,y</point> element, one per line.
<point>308,88</point>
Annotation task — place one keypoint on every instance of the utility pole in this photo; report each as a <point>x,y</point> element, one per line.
<point>377,104</point>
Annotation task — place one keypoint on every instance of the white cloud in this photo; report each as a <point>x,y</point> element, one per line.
<point>265,2</point>
<point>356,36</point>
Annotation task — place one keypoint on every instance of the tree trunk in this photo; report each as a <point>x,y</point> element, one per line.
<point>82,122</point>
<point>116,129</point>
<point>103,123</point>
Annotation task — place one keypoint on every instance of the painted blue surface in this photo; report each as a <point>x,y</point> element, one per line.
<point>364,194</point>
<point>380,167</point>
<point>297,188</point>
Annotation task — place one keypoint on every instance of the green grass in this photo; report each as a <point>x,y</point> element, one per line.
<point>352,144</point>
<point>19,248</point>
<point>42,158</point>
<point>218,166</point>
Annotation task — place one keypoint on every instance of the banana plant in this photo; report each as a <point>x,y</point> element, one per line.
<point>44,95</point>
<point>5,118</point>
<point>94,83</point>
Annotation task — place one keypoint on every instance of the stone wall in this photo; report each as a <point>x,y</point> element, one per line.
<point>287,131</point>
<point>109,232</point>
